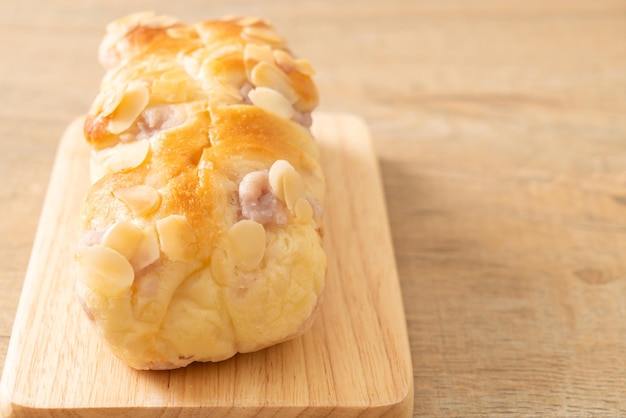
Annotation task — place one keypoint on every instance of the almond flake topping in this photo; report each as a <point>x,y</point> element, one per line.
<point>122,237</point>
<point>271,101</point>
<point>177,237</point>
<point>247,238</point>
<point>104,270</point>
<point>286,183</point>
<point>148,250</point>
<point>258,53</point>
<point>260,33</point>
<point>134,101</point>
<point>122,156</point>
<point>141,199</point>
<point>266,74</point>
<point>284,60</point>
<point>303,211</point>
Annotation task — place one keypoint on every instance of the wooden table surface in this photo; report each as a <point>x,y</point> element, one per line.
<point>500,128</point>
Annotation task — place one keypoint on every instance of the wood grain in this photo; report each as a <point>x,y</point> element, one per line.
<point>355,361</point>
<point>500,131</point>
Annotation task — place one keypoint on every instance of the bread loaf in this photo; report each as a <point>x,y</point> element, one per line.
<point>201,231</point>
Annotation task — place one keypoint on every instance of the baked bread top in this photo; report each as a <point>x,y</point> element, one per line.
<point>201,232</point>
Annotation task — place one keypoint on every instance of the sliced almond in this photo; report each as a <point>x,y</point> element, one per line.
<point>248,242</point>
<point>177,237</point>
<point>209,67</point>
<point>303,211</point>
<point>255,53</point>
<point>222,51</point>
<point>293,188</point>
<point>271,101</point>
<point>276,174</point>
<point>262,34</point>
<point>122,156</point>
<point>304,67</point>
<point>104,270</point>
<point>266,74</point>
<point>122,237</point>
<point>141,199</point>
<point>284,60</point>
<point>225,91</point>
<point>112,101</point>
<point>286,183</point>
<point>107,101</point>
<point>135,100</point>
<point>169,90</point>
<point>148,250</point>
<point>258,53</point>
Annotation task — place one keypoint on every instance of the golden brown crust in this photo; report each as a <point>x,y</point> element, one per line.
<point>184,114</point>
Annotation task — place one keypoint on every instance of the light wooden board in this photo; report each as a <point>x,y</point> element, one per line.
<point>355,361</point>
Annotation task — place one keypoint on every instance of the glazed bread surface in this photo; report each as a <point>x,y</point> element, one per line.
<point>201,232</point>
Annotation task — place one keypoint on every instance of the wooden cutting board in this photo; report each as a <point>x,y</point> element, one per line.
<point>355,361</point>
